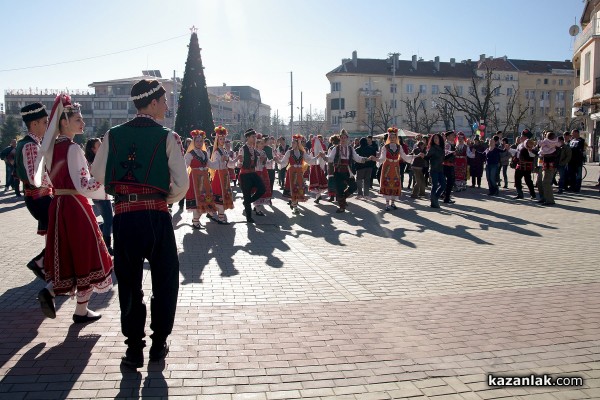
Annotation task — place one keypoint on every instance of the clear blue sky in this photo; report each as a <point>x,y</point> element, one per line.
<point>258,42</point>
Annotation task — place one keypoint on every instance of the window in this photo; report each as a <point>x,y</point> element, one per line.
<point>471,90</point>
<point>336,86</point>
<point>102,105</point>
<point>422,105</point>
<point>531,110</point>
<point>409,88</point>
<point>447,89</point>
<point>560,96</point>
<point>335,104</point>
<point>394,103</point>
<point>459,90</point>
<point>587,66</point>
<point>393,88</point>
<point>423,89</point>
<point>542,95</point>
<point>497,92</point>
<point>539,81</point>
<point>435,89</point>
<point>335,120</point>
<point>484,90</point>
<point>509,91</point>
<point>370,104</point>
<point>560,82</point>
<point>545,81</point>
<point>119,105</point>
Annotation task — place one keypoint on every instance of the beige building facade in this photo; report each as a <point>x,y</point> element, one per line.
<point>236,107</point>
<point>365,90</point>
<point>586,61</point>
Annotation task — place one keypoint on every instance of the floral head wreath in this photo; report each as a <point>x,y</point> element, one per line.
<point>392,129</point>
<point>197,132</point>
<point>221,131</point>
<point>297,137</point>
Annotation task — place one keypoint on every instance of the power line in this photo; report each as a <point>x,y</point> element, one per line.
<point>91,58</point>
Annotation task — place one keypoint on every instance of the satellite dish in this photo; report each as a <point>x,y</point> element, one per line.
<point>573,30</point>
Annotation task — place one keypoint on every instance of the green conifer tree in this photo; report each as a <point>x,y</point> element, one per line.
<point>193,110</point>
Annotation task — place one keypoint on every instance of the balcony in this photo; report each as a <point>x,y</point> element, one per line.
<point>592,29</point>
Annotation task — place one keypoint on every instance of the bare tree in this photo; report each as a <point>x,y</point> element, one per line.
<point>428,119</point>
<point>477,104</point>
<point>412,112</point>
<point>446,111</point>
<point>314,124</point>
<point>385,115</point>
<point>371,121</point>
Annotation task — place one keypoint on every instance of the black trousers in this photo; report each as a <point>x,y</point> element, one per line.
<point>271,178</point>
<point>449,175</point>
<point>149,235</point>
<point>344,187</point>
<point>248,182</point>
<point>281,176</point>
<point>38,208</point>
<point>519,175</point>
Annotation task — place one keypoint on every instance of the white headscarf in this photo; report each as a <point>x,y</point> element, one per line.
<point>47,151</point>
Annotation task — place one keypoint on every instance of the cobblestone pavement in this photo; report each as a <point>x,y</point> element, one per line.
<point>412,303</point>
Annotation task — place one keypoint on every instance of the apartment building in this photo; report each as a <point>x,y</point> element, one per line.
<point>110,101</point>
<point>539,89</point>
<point>586,62</point>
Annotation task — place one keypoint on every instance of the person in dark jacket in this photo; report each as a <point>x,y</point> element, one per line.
<point>435,155</point>
<point>363,171</point>
<point>417,167</point>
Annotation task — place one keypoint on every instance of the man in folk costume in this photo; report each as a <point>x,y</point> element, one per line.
<point>76,260</point>
<point>461,155</point>
<point>340,156</point>
<point>199,198</point>
<point>142,165</point>
<point>525,158</point>
<point>263,172</point>
<point>223,162</point>
<point>297,160</point>
<point>449,171</point>
<point>252,185</point>
<point>317,177</point>
<point>27,158</point>
<point>391,155</point>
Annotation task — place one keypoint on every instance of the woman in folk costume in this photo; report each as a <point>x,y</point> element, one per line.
<point>462,153</point>
<point>317,178</point>
<point>297,160</point>
<point>334,140</point>
<point>391,155</point>
<point>231,153</point>
<point>221,184</point>
<point>77,261</point>
<point>263,172</point>
<point>199,198</point>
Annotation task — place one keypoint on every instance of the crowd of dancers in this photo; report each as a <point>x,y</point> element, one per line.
<point>138,169</point>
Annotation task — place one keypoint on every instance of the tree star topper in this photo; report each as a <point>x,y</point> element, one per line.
<point>193,29</point>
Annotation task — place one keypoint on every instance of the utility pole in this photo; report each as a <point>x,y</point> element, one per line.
<point>394,57</point>
<point>291,105</point>
<point>175,98</point>
<point>301,119</point>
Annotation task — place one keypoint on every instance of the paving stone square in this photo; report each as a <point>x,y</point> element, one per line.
<point>414,303</point>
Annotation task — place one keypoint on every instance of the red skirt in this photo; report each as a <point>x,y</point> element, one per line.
<point>77,259</point>
<point>221,187</point>
<point>318,180</point>
<point>460,168</point>
<point>294,184</point>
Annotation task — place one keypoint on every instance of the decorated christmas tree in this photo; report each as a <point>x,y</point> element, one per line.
<point>193,110</point>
